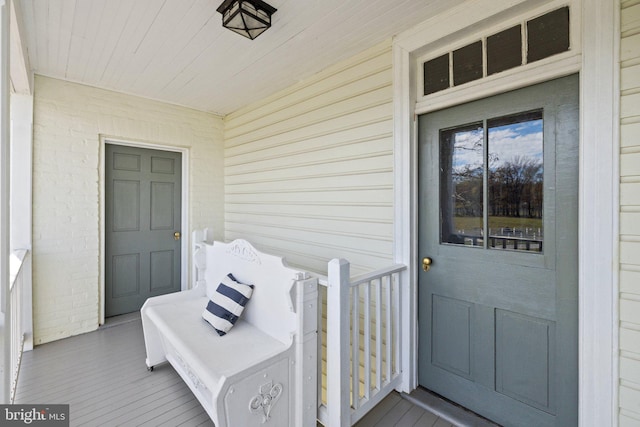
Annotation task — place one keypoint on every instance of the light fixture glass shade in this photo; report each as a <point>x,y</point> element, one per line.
<point>249,18</point>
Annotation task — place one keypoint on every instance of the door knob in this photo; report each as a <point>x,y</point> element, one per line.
<point>176,235</point>
<point>426,263</point>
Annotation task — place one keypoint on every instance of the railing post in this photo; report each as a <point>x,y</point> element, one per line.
<point>338,375</point>
<point>306,351</point>
<point>26,305</point>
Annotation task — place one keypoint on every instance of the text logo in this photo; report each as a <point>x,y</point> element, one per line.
<point>34,415</point>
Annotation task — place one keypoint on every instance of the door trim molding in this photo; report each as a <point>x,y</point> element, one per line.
<point>596,57</point>
<point>186,237</point>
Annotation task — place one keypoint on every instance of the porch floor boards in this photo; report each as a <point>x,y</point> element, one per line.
<point>103,377</point>
<point>396,411</point>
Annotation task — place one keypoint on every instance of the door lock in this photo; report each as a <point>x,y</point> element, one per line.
<point>176,235</point>
<point>426,263</point>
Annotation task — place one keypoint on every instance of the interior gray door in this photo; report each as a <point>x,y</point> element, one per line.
<point>142,226</point>
<point>498,223</point>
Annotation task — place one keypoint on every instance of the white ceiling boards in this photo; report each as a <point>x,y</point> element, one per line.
<point>177,50</point>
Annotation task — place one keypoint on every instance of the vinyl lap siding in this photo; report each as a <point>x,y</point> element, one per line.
<point>309,171</point>
<point>630,215</point>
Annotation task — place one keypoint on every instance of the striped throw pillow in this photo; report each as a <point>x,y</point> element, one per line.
<point>227,303</point>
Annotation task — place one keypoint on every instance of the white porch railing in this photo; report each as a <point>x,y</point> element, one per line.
<point>360,351</point>
<point>20,278</point>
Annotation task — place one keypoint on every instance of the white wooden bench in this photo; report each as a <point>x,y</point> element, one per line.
<point>264,370</point>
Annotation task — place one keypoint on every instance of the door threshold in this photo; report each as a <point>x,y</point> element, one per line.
<point>446,409</point>
<point>110,322</point>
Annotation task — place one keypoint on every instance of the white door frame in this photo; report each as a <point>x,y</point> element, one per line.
<point>595,55</point>
<point>184,209</point>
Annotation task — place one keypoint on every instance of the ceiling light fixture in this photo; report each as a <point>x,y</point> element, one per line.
<point>249,18</point>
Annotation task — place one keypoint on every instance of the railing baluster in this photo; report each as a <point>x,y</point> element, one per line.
<point>395,278</point>
<point>322,327</point>
<point>355,347</point>
<point>16,329</point>
<point>388,326</point>
<point>379,335</point>
<point>367,340</point>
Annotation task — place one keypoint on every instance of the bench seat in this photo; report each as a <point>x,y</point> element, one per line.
<point>213,357</point>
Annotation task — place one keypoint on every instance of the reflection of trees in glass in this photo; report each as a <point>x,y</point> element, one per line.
<point>515,184</point>
<point>512,159</point>
<point>468,191</point>
<point>516,188</point>
<point>466,172</point>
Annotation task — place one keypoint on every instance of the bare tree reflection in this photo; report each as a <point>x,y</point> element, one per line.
<point>514,182</point>
<point>515,188</point>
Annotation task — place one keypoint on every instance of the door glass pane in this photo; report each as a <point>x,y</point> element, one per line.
<point>515,182</point>
<point>461,176</point>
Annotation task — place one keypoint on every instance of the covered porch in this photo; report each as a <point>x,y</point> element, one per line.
<point>318,162</point>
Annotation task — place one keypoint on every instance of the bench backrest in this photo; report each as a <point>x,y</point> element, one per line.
<point>270,308</point>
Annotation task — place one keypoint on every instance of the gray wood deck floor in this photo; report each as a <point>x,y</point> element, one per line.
<point>103,377</point>
<point>396,411</point>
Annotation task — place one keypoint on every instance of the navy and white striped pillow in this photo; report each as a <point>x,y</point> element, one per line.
<point>227,303</point>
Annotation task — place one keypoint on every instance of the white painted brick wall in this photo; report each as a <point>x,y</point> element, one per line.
<point>68,121</point>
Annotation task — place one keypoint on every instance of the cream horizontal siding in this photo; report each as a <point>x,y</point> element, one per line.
<point>309,171</point>
<point>630,214</point>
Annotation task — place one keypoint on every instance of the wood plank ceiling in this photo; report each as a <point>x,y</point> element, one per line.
<point>177,51</point>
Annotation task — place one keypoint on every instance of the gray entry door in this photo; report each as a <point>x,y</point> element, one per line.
<point>499,220</point>
<point>142,226</point>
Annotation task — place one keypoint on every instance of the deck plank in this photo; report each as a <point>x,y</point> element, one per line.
<point>443,423</point>
<point>412,416</point>
<point>427,420</point>
<point>397,412</point>
<point>176,415</point>
<point>372,418</point>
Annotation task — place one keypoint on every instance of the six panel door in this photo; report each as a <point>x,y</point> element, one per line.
<point>142,217</point>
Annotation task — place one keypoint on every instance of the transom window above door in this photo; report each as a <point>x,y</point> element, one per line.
<point>492,183</point>
<point>525,43</point>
